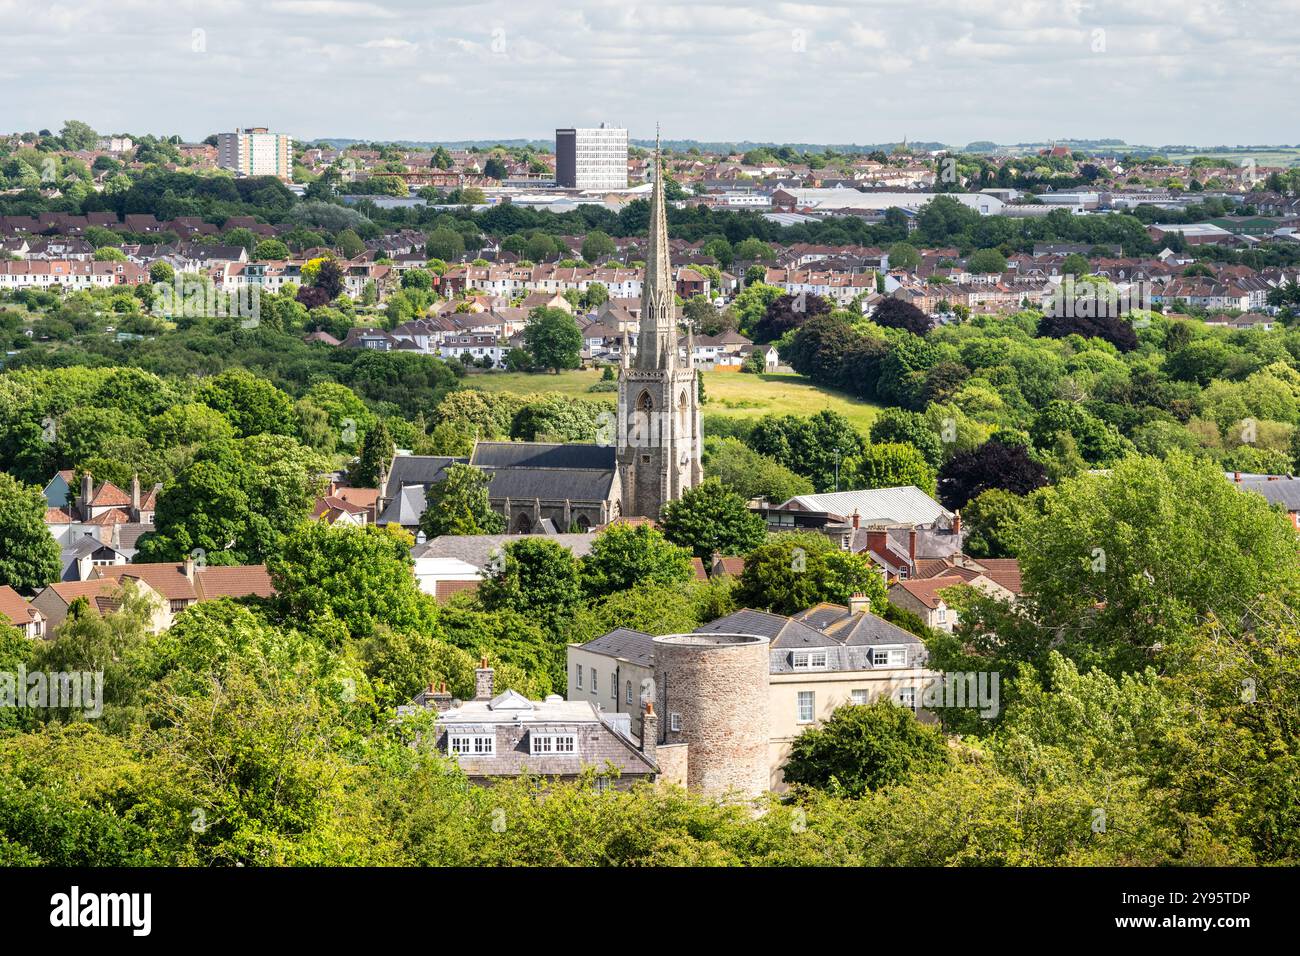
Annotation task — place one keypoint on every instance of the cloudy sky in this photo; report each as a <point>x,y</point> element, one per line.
<point>1147,71</point>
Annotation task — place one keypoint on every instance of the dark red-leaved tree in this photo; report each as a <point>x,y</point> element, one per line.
<point>968,474</point>
<point>897,314</point>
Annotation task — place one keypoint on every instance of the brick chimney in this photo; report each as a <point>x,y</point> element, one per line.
<point>189,568</point>
<point>859,603</point>
<point>483,681</point>
<point>911,545</point>
<point>878,540</point>
<point>649,730</point>
<point>135,497</point>
<point>956,522</point>
<point>857,519</point>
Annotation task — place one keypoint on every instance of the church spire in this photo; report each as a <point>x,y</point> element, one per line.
<point>657,343</point>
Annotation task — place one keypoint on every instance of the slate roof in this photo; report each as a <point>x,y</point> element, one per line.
<point>848,639</point>
<point>511,719</point>
<point>855,630</point>
<point>476,549</point>
<point>623,642</point>
<point>1284,491</point>
<point>405,508</point>
<point>494,454</point>
<point>782,631</point>
<point>419,470</point>
<point>575,484</point>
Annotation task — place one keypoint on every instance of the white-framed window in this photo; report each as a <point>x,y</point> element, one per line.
<point>477,745</point>
<point>629,692</point>
<point>675,722</point>
<point>889,657</point>
<point>807,706</point>
<point>579,672</point>
<point>593,680</point>
<point>861,697</point>
<point>906,697</point>
<point>943,613</point>
<point>553,743</point>
<point>810,660</point>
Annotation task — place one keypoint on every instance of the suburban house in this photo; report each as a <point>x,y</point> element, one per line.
<point>102,595</point>
<point>504,735</point>
<point>98,527</point>
<point>354,507</point>
<point>922,597</point>
<point>185,583</point>
<point>18,613</point>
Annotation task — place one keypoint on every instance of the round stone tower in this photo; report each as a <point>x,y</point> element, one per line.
<point>711,693</point>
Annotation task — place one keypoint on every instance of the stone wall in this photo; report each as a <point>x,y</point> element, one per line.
<point>672,760</point>
<point>714,687</point>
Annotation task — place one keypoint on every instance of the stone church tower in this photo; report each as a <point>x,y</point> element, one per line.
<point>659,435</point>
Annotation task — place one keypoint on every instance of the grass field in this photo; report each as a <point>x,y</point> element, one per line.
<point>728,393</point>
<point>1277,156</point>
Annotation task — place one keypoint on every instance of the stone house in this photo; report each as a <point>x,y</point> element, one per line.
<point>505,735</point>
<point>715,693</point>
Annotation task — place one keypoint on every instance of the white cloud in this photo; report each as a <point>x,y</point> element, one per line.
<point>1206,71</point>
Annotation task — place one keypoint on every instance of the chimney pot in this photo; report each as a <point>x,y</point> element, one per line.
<point>859,603</point>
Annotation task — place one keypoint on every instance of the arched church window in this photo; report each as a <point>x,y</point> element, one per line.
<point>643,418</point>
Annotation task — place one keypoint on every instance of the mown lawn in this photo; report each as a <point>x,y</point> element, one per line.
<point>728,393</point>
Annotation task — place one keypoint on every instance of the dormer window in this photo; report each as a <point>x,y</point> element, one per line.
<point>547,744</point>
<point>889,657</point>
<point>475,745</point>
<point>809,660</point>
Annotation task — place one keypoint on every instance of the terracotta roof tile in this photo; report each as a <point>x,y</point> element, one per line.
<point>109,494</point>
<point>238,581</point>
<point>927,590</point>
<point>445,589</point>
<point>14,608</point>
